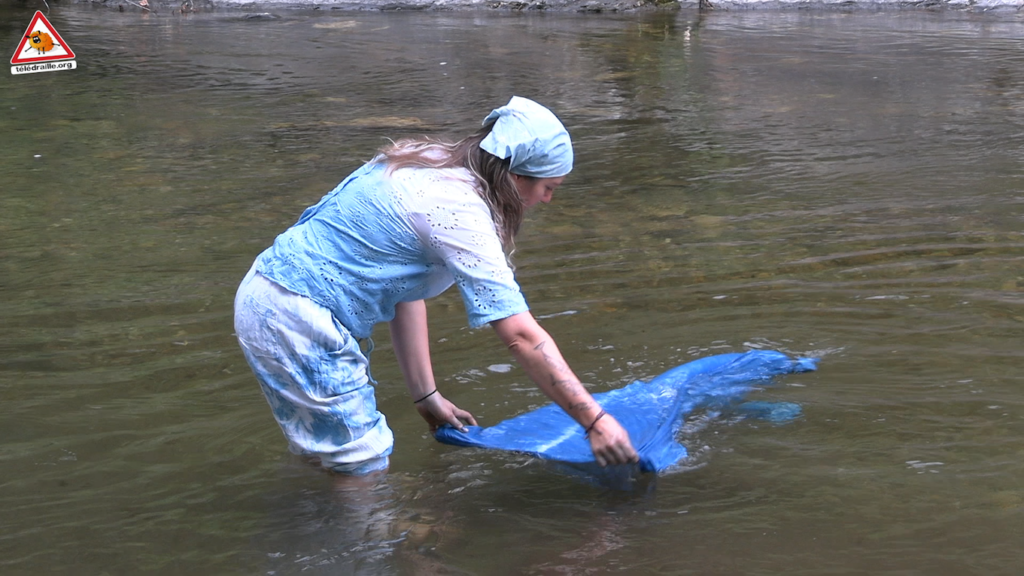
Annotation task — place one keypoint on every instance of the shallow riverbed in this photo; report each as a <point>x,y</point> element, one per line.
<point>847,186</point>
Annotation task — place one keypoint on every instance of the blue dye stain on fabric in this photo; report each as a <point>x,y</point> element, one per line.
<point>652,412</point>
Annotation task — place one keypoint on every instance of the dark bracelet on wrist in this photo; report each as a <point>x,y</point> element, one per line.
<point>425,397</point>
<point>586,432</point>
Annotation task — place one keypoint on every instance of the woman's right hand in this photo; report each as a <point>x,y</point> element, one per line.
<point>438,411</point>
<point>610,442</point>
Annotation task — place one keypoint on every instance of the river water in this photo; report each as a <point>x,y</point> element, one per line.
<point>842,185</point>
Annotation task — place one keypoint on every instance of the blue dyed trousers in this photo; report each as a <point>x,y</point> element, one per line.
<point>314,376</point>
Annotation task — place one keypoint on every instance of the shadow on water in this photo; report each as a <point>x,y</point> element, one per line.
<point>846,186</point>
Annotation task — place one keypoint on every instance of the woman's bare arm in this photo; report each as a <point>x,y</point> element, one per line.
<point>539,356</point>
<point>411,341</point>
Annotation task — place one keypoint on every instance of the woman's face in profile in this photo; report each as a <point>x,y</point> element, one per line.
<point>536,190</point>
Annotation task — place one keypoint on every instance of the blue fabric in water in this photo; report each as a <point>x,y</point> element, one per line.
<point>651,412</point>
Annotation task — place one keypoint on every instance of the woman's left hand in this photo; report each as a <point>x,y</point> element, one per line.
<point>438,411</point>
<point>610,442</point>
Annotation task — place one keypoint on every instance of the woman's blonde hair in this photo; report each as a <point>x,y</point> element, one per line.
<point>493,178</point>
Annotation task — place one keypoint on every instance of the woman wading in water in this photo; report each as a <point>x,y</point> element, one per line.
<point>419,217</point>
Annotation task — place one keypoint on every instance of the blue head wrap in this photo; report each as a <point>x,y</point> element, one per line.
<point>532,137</point>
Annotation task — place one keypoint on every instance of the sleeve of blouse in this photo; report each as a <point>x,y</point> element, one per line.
<point>461,233</point>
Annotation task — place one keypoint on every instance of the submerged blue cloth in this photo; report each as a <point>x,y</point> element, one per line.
<point>532,137</point>
<point>651,412</point>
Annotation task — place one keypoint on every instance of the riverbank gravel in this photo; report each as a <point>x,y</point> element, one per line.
<point>269,9</point>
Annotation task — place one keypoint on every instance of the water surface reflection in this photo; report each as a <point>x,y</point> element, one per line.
<point>842,185</point>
